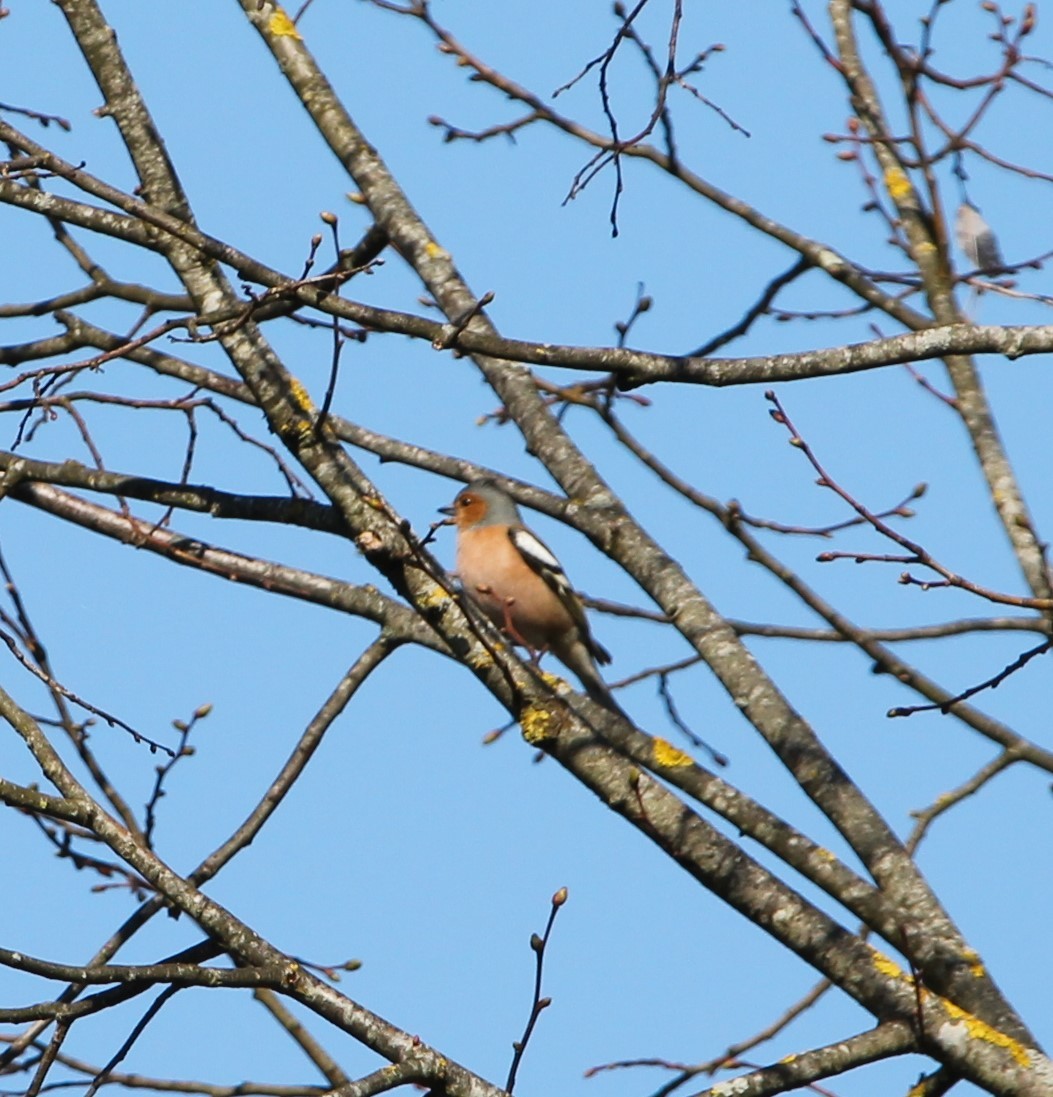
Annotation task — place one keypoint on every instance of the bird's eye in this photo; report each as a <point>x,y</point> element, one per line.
<point>466,500</point>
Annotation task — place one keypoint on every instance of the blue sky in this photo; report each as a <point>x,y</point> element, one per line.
<point>409,845</point>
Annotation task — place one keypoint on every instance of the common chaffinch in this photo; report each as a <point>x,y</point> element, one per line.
<point>516,581</point>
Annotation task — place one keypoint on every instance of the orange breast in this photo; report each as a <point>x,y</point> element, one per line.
<point>507,589</point>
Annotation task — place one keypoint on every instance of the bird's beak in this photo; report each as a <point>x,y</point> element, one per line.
<point>448,511</point>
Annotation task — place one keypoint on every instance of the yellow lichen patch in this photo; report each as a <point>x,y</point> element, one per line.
<point>435,598</point>
<point>977,1029</point>
<point>666,755</point>
<point>536,723</point>
<point>897,184</point>
<point>433,251</point>
<point>552,680</point>
<point>298,432</point>
<point>981,1030</point>
<point>299,394</point>
<point>976,965</point>
<point>482,660</point>
<point>888,968</point>
<point>282,26</point>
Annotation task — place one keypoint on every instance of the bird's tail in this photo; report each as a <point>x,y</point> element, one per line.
<point>578,658</point>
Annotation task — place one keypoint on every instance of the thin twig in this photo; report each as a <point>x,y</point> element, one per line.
<point>539,1003</point>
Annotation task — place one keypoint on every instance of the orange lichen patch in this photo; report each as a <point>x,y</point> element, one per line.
<point>435,598</point>
<point>282,26</point>
<point>667,756</point>
<point>888,968</point>
<point>981,1030</point>
<point>976,965</point>
<point>480,659</point>
<point>299,394</point>
<point>897,184</point>
<point>976,1029</point>
<point>297,433</point>
<point>536,724</point>
<point>553,680</point>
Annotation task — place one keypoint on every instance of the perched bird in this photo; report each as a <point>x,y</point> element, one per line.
<point>976,239</point>
<point>516,581</point>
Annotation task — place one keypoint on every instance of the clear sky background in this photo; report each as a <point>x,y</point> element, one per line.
<point>409,845</point>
